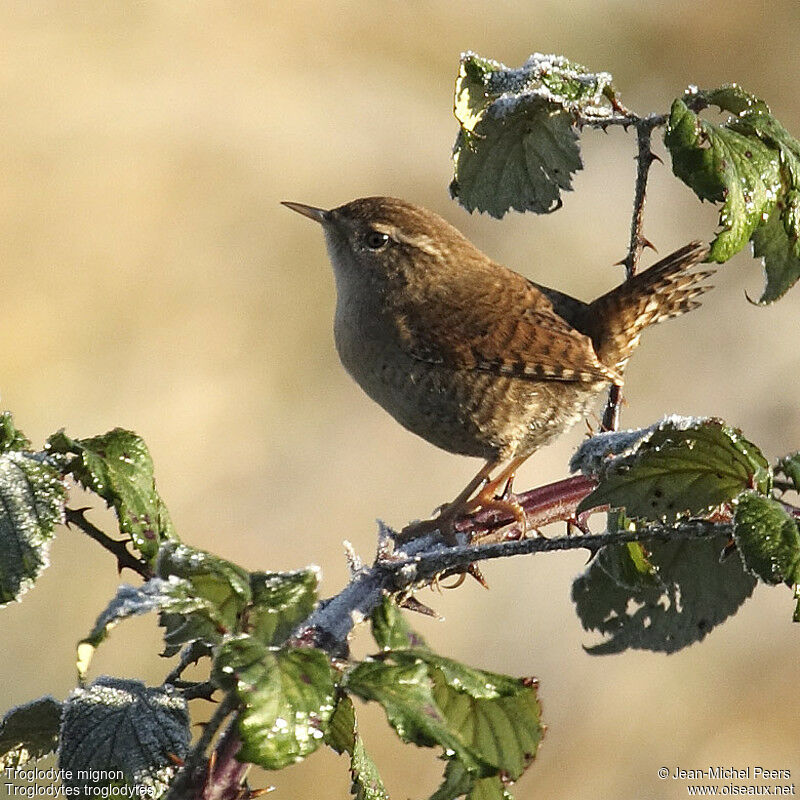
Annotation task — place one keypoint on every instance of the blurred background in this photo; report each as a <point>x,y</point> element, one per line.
<point>151,280</point>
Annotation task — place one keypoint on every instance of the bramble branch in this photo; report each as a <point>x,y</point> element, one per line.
<point>125,559</point>
<point>644,159</point>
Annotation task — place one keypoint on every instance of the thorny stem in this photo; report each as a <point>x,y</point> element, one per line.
<point>644,158</point>
<point>76,517</point>
<point>195,775</point>
<point>403,569</point>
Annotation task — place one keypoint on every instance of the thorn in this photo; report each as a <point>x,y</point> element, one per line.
<point>653,157</point>
<point>647,243</point>
<point>412,604</point>
<point>478,575</point>
<point>354,563</point>
<point>258,792</point>
<point>623,262</point>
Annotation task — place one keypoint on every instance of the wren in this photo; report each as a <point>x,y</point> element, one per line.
<point>471,356</point>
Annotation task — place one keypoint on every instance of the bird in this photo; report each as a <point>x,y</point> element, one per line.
<point>468,354</point>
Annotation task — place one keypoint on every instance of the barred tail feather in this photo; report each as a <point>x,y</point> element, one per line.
<point>669,288</point>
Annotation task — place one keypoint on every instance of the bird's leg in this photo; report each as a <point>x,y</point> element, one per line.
<point>448,513</point>
<point>488,498</point>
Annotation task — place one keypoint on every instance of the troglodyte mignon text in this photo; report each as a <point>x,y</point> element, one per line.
<point>470,355</point>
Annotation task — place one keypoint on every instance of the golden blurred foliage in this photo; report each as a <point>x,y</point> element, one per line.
<point>151,280</point>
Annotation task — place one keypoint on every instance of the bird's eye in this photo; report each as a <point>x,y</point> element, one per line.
<point>376,240</point>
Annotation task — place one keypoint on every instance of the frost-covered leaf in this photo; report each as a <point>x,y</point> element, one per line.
<point>790,467</point>
<point>120,733</point>
<point>405,690</point>
<point>768,539</point>
<point>680,467</point>
<point>173,596</point>
<point>117,466</point>
<point>220,584</point>
<point>29,732</point>
<point>10,437</point>
<point>288,699</point>
<point>517,144</point>
<point>342,735</point>
<point>488,723</point>
<point>750,164</point>
<point>281,601</point>
<point>31,504</point>
<point>390,629</point>
<point>775,242</point>
<point>696,592</point>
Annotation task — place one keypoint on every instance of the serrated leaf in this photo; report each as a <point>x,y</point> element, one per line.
<point>172,596</point>
<point>683,466</point>
<point>31,504</point>
<point>366,780</point>
<point>288,698</point>
<point>29,731</point>
<point>390,629</point>
<point>10,437</point>
<point>768,539</point>
<point>628,565</point>
<point>790,467</point>
<point>406,693</point>
<point>488,723</point>
<point>120,733</point>
<point>696,592</point>
<point>341,731</point>
<point>117,466</point>
<point>281,601</point>
<point>342,736</point>
<point>750,164</point>
<point>780,254</point>
<point>459,783</point>
<point>223,585</point>
<point>517,145</point>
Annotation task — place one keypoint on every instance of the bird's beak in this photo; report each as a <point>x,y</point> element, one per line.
<point>317,214</point>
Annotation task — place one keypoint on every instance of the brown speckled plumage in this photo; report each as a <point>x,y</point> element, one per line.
<point>468,354</point>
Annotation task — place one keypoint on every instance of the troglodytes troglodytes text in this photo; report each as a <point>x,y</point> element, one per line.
<point>470,355</point>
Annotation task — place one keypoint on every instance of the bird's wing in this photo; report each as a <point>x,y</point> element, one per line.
<point>498,323</point>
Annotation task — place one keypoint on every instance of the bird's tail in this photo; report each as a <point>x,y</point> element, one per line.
<point>669,288</point>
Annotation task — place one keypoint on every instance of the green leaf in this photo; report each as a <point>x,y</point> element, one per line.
<point>773,243</point>
<point>458,782</point>
<point>117,466</point>
<point>174,596</point>
<point>790,467</point>
<point>223,585</point>
<point>768,539</point>
<point>489,723</point>
<point>750,164</point>
<point>10,437</point>
<point>342,736</point>
<point>120,733</point>
<point>288,698</point>
<point>31,504</point>
<point>390,629</point>
<point>680,467</point>
<point>29,732</point>
<point>281,601</point>
<point>517,145</point>
<point>406,693</point>
<point>628,565</point>
<point>696,592</point>
<point>341,731</point>
<point>366,780</point>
